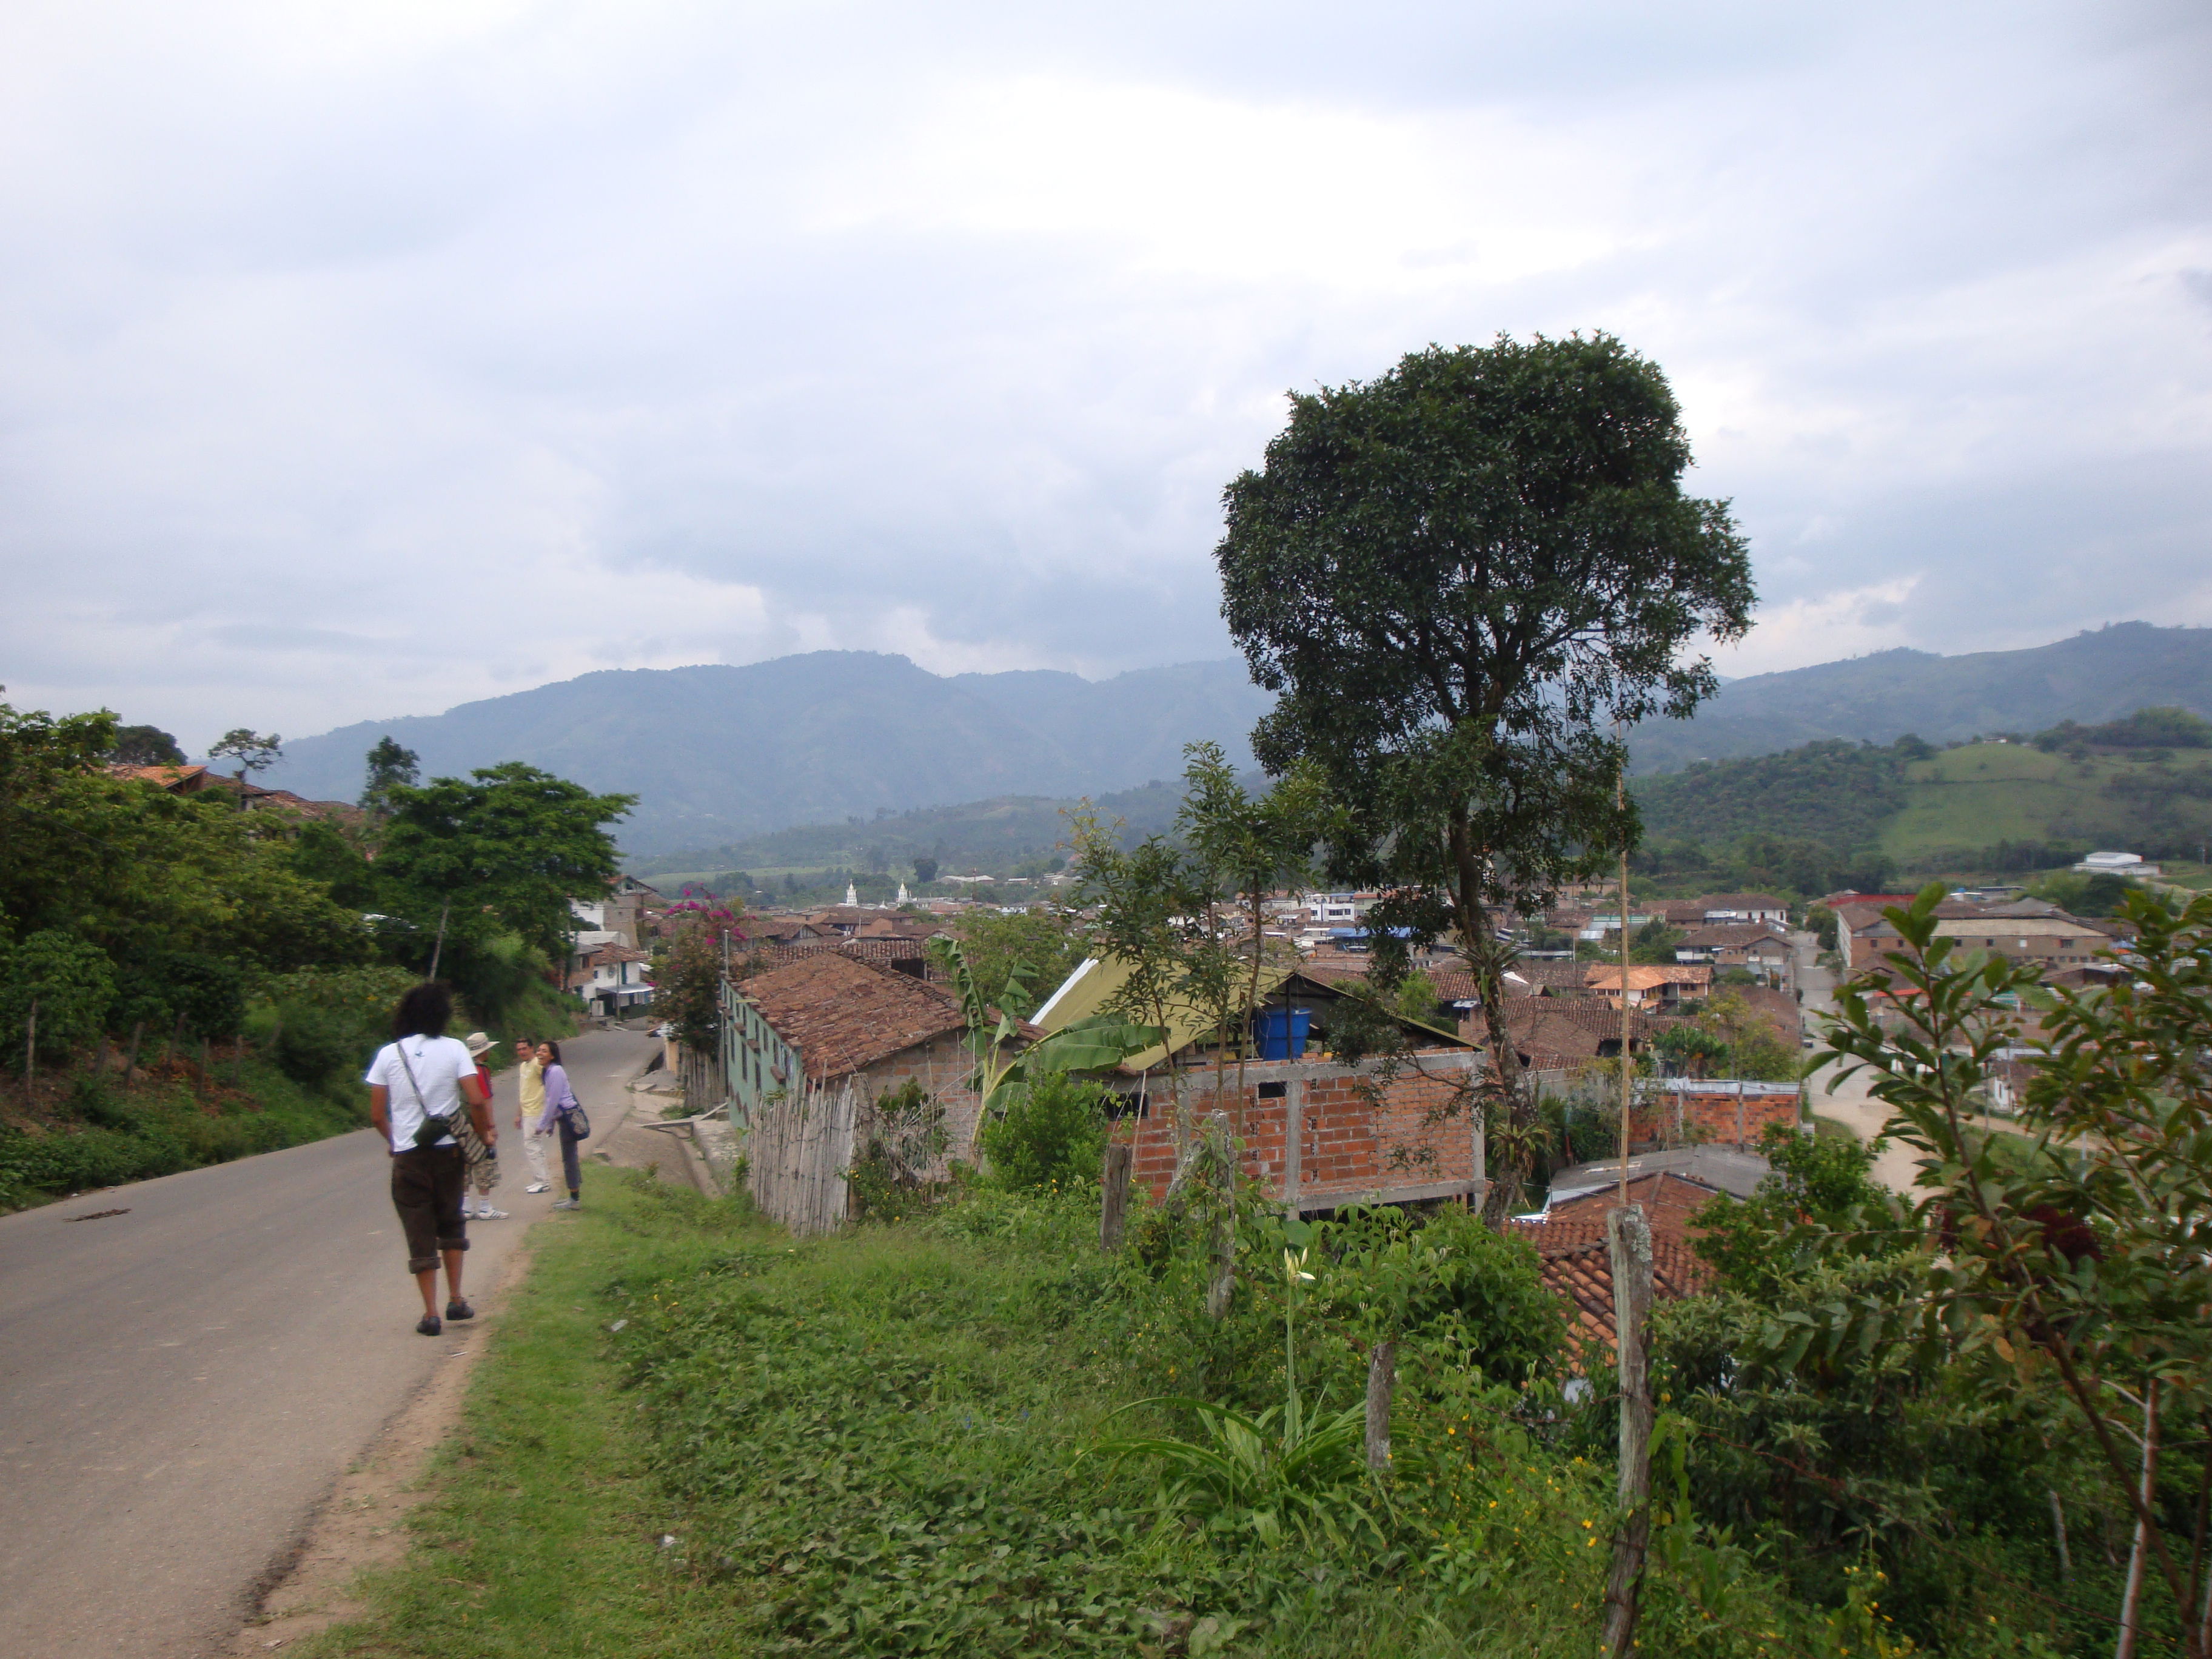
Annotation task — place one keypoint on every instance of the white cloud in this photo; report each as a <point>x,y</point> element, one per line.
<point>656,333</point>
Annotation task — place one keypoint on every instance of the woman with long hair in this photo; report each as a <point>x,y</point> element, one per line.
<point>559,1101</point>
<point>421,1084</point>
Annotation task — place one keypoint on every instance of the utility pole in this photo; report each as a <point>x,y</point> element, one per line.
<point>1627,1085</point>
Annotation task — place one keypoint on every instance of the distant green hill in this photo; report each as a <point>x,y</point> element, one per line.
<point>1984,807</point>
<point>986,837</point>
<point>2093,676</point>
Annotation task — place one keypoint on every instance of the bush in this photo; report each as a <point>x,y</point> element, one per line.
<point>1053,1135</point>
<point>313,1046</point>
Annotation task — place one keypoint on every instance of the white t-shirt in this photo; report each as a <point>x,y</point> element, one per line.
<point>440,1064</point>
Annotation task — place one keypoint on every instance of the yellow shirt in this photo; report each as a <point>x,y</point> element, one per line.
<point>534,1091</point>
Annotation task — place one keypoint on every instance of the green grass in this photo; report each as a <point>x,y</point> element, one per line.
<point>887,1444</point>
<point>1973,796</point>
<point>540,1536</point>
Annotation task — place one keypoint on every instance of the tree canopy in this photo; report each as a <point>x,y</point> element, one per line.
<point>1457,575</point>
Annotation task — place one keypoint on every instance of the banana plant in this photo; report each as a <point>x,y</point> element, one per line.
<point>1002,1073</point>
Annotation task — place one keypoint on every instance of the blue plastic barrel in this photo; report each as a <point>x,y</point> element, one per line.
<point>1281,1032</point>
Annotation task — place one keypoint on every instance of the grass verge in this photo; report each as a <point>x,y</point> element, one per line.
<point>540,1534</point>
<point>888,1442</point>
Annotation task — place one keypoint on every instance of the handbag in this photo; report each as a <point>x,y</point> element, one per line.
<point>579,1125</point>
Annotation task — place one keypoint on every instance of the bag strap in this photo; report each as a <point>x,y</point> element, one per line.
<point>422,1100</point>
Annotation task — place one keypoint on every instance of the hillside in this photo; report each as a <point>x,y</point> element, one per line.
<point>989,837</point>
<point>720,755</point>
<point>1984,807</point>
<point>1878,699</point>
<point>717,754</point>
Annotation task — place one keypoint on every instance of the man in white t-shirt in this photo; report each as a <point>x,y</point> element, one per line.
<point>418,1085</point>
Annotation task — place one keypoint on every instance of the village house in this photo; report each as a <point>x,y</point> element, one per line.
<point>1650,987</point>
<point>2032,931</point>
<point>833,1019</point>
<point>610,976</point>
<point>1759,949</point>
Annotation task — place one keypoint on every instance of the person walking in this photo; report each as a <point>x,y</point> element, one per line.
<point>419,1085</point>
<point>482,1157</point>
<point>559,1101</point>
<point>529,1105</point>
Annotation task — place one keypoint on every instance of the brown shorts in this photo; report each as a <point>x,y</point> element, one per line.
<point>426,1190</point>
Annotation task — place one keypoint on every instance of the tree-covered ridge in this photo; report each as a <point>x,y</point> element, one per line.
<point>1838,793</point>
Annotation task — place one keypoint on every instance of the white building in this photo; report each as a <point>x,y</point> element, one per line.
<point>2116,863</point>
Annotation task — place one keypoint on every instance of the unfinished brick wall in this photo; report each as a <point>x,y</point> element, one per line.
<point>1728,1119</point>
<point>1357,1138</point>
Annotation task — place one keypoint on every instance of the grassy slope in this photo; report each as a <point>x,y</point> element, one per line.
<point>869,1446</point>
<point>1975,796</point>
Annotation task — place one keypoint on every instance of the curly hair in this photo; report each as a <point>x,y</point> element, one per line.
<point>425,1010</point>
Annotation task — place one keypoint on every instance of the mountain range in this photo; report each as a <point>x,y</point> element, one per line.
<point>718,754</point>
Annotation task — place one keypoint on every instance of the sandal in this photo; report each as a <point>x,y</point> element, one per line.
<point>460,1310</point>
<point>428,1325</point>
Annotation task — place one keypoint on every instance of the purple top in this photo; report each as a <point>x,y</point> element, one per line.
<point>559,1098</point>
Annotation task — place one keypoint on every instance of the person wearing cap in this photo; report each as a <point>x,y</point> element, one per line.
<point>481,1152</point>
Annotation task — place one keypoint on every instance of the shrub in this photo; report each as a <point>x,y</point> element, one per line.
<point>1054,1134</point>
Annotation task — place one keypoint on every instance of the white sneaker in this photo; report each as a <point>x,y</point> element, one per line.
<point>466,1212</point>
<point>487,1213</point>
<point>537,1187</point>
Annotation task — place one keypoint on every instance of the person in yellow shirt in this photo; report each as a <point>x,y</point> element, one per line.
<point>529,1107</point>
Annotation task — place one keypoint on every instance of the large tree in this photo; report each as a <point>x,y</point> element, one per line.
<point>1463,578</point>
<point>504,850</point>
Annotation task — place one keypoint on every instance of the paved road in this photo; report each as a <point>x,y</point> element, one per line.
<point>180,1385</point>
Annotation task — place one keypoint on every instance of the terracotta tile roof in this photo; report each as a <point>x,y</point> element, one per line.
<point>1577,1269</point>
<point>772,955</point>
<point>1726,935</point>
<point>843,1014</point>
<point>1602,979</point>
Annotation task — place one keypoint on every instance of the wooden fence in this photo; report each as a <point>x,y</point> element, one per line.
<point>797,1149</point>
<point>705,1088</point>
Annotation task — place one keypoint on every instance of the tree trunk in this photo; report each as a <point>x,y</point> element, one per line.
<point>1478,947</point>
<point>1224,1283</point>
<point>1113,1194</point>
<point>1628,1243</point>
<point>1382,1384</point>
<point>131,1061</point>
<point>2132,1599</point>
<point>31,1048</point>
<point>2058,1531</point>
<point>100,1057</point>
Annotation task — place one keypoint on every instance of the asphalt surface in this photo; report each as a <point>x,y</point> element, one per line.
<point>180,1384</point>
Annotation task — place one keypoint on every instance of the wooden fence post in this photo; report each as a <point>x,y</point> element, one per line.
<point>1382,1384</point>
<point>1628,1243</point>
<point>31,1048</point>
<point>1113,1194</point>
<point>203,1066</point>
<point>100,1057</point>
<point>130,1062</point>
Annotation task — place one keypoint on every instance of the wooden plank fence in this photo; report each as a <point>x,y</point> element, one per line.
<point>797,1149</point>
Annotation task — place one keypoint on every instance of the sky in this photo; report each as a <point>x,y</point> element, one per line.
<point>358,360</point>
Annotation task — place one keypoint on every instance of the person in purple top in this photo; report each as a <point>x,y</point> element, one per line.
<point>560,1100</point>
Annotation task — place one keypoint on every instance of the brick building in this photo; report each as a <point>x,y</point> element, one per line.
<point>1319,1135</point>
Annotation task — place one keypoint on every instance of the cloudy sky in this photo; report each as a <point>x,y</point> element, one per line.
<point>359,360</point>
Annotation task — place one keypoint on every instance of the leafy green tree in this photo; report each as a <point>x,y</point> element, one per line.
<point>1251,846</point>
<point>503,850</point>
<point>146,745</point>
<point>1020,957</point>
<point>1052,1135</point>
<point>1654,944</point>
<point>140,872</point>
<point>925,870</point>
<point>253,753</point>
<point>2087,1258</point>
<point>1697,1050</point>
<point>64,982</point>
<point>389,768</point>
<point>1455,575</point>
<point>1754,1244</point>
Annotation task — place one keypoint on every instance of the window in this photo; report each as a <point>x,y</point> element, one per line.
<point>1274,1091</point>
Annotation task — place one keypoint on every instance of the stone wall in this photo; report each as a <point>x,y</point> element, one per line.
<point>942,1067</point>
